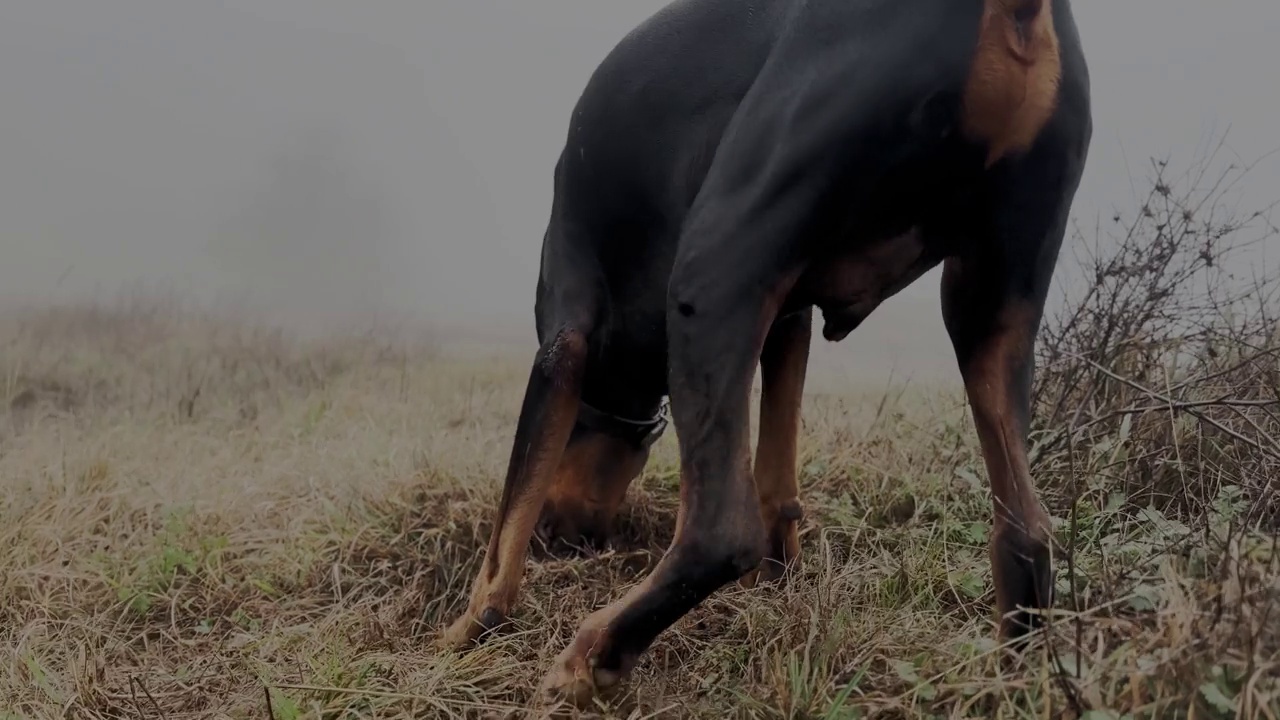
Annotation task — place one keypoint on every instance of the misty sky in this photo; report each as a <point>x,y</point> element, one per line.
<point>323,157</point>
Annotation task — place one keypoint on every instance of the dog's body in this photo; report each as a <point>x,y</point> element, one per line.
<point>731,165</point>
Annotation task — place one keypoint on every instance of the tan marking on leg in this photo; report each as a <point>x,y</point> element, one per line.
<point>1021,525</point>
<point>529,476</point>
<point>987,381</point>
<point>1012,90</point>
<point>783,363</point>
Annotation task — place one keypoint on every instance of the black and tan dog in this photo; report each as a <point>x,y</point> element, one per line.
<point>731,165</point>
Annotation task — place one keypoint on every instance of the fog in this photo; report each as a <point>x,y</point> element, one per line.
<point>326,161</point>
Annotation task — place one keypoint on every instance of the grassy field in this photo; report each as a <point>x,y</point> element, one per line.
<point>198,518</point>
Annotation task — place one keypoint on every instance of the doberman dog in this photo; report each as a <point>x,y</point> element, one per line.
<point>730,166</point>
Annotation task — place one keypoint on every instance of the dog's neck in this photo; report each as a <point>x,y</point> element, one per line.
<point>643,433</point>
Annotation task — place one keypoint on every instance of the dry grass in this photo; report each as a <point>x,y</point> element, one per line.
<point>196,515</point>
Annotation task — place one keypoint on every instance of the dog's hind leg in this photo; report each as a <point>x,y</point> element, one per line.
<point>546,419</point>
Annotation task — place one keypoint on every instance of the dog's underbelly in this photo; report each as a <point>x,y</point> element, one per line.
<point>848,287</point>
